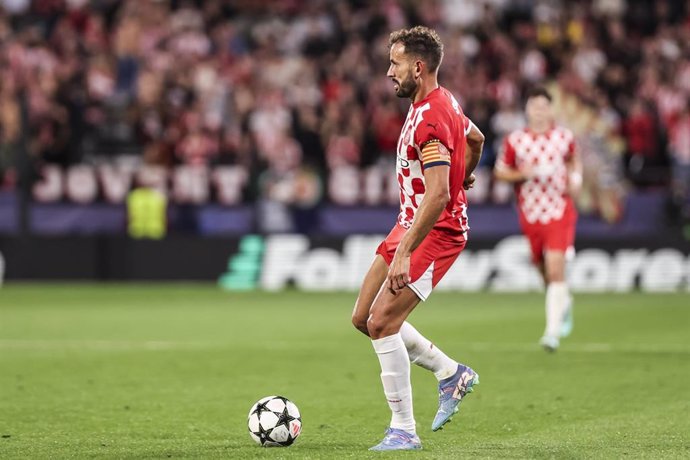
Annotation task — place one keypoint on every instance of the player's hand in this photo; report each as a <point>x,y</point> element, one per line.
<point>528,172</point>
<point>574,183</point>
<point>398,273</point>
<point>469,182</point>
<point>539,171</point>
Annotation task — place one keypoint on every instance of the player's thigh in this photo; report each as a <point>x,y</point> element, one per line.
<point>371,285</point>
<point>559,239</point>
<point>390,310</point>
<point>542,271</point>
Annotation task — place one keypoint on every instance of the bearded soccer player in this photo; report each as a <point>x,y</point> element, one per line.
<point>541,160</point>
<point>437,151</point>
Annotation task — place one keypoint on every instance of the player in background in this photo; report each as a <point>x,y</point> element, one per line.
<point>437,151</point>
<point>542,162</point>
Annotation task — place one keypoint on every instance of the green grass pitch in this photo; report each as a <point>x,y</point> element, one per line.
<point>170,371</point>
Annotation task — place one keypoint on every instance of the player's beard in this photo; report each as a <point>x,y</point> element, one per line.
<point>407,87</point>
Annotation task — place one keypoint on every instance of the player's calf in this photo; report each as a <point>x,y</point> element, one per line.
<point>568,322</point>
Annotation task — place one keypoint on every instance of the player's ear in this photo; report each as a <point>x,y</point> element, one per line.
<point>418,68</point>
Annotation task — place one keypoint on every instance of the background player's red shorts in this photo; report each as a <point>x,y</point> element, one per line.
<point>558,235</point>
<point>430,261</point>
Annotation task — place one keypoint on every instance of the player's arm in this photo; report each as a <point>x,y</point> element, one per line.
<point>574,166</point>
<point>508,174</point>
<point>506,168</point>
<point>436,197</point>
<point>473,153</point>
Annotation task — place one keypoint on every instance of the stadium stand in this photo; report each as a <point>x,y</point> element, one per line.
<point>288,100</point>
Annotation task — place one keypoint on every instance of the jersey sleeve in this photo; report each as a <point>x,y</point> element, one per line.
<point>433,136</point>
<point>507,154</point>
<point>467,124</point>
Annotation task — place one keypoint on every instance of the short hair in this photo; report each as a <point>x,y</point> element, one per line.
<point>421,42</point>
<point>539,91</point>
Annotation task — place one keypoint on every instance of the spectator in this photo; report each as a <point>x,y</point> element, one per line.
<point>237,83</point>
<point>679,149</point>
<point>642,137</point>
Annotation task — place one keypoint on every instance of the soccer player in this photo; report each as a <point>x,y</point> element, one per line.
<point>437,151</point>
<point>541,160</point>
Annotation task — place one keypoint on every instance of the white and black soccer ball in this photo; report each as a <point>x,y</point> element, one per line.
<point>274,421</point>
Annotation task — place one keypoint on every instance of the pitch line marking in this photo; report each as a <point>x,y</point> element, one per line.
<point>489,347</point>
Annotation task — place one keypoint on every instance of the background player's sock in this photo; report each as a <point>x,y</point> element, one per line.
<point>425,354</point>
<point>556,303</point>
<point>395,375</point>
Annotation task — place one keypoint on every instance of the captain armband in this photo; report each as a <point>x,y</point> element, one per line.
<point>434,153</point>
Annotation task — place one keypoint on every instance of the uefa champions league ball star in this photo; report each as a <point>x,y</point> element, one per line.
<point>274,421</point>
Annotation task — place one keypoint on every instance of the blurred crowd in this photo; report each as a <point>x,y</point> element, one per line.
<point>297,88</point>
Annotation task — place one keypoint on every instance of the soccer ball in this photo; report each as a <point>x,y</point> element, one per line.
<point>274,421</point>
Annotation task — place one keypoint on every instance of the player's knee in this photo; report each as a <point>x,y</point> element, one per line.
<point>555,275</point>
<point>360,323</point>
<point>377,327</point>
<point>555,268</point>
<point>555,279</point>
